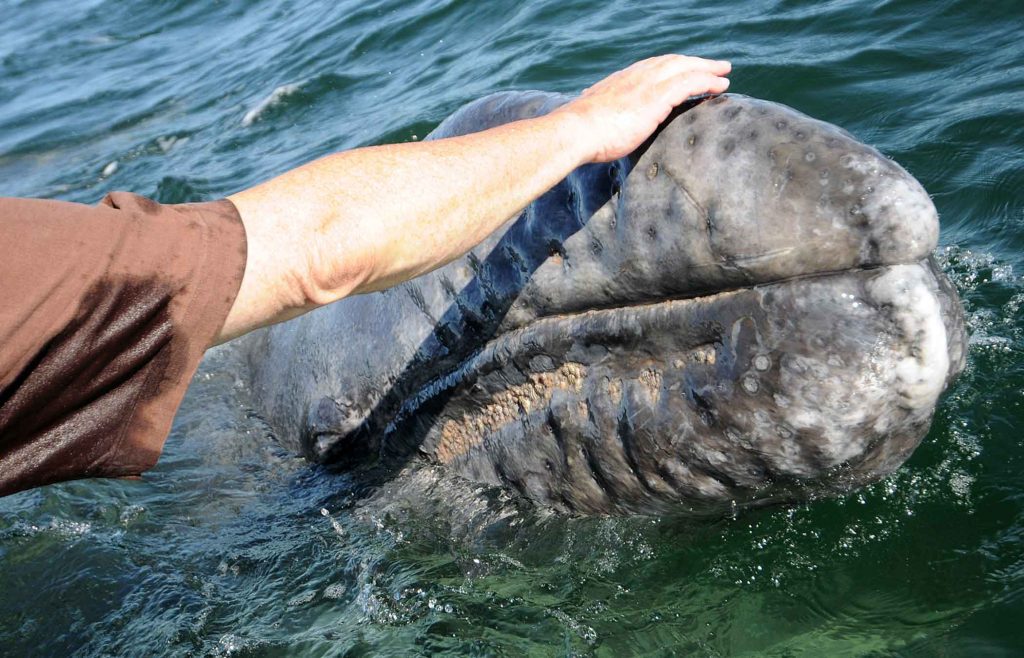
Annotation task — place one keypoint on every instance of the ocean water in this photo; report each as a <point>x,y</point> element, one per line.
<point>233,546</point>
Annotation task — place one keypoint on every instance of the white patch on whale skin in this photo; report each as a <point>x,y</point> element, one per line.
<point>831,402</point>
<point>921,371</point>
<point>270,101</point>
<point>904,368</point>
<point>905,223</point>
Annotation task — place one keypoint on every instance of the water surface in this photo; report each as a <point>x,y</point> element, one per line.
<point>233,546</point>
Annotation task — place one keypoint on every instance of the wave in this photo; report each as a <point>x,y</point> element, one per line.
<point>274,99</point>
<point>303,92</point>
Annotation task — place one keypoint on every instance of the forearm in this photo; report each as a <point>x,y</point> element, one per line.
<point>363,220</point>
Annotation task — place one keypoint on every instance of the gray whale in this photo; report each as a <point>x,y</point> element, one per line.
<point>744,311</point>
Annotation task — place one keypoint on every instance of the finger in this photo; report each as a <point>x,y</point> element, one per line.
<point>655,69</point>
<point>678,89</point>
<point>688,78</point>
<point>668,65</point>
<point>652,72</point>
<point>670,73</point>
<point>678,64</point>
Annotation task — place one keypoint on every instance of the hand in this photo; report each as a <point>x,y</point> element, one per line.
<point>617,114</point>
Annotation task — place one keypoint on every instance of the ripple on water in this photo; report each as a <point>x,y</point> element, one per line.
<point>233,546</point>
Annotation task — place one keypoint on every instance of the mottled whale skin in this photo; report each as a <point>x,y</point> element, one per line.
<point>744,311</point>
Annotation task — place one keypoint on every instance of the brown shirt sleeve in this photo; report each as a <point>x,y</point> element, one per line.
<point>105,312</point>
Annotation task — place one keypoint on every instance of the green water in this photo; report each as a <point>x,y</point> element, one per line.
<point>233,546</point>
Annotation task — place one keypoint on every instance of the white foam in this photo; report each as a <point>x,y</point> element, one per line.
<point>167,143</point>
<point>335,591</point>
<point>270,101</point>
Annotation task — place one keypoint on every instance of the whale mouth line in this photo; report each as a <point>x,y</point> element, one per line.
<point>494,354</point>
<point>709,293</point>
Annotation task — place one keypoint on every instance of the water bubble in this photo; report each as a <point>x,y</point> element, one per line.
<point>335,591</point>
<point>230,644</point>
<point>130,513</point>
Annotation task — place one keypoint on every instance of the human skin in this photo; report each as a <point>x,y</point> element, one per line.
<point>367,219</point>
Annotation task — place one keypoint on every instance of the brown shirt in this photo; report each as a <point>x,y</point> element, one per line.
<point>105,312</point>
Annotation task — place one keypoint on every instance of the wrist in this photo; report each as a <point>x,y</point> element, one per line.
<point>571,136</point>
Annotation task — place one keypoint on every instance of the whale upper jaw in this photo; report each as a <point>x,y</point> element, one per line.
<point>736,192</point>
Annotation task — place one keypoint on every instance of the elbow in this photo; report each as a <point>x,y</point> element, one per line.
<point>329,275</point>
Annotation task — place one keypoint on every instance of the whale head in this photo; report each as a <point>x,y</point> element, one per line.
<point>752,314</point>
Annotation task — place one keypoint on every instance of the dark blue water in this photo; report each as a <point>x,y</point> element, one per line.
<point>233,546</point>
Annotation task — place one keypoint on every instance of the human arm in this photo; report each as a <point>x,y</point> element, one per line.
<point>367,219</point>
<point>99,347</point>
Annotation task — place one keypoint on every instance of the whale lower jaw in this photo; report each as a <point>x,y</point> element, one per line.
<point>817,383</point>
